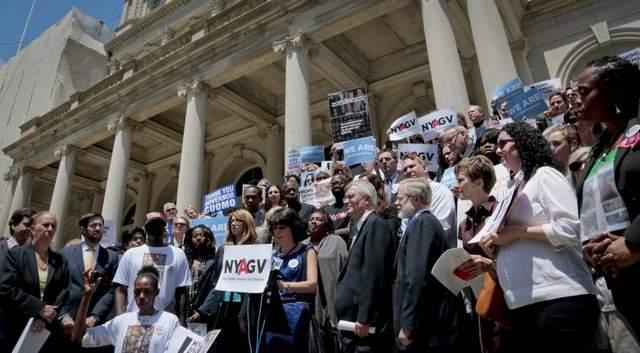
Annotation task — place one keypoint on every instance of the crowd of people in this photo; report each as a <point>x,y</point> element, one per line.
<point>563,258</point>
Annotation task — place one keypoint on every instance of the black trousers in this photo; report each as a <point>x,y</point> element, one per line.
<point>558,325</point>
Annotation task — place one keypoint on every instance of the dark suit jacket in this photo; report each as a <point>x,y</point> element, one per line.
<point>20,291</point>
<point>420,303</point>
<point>4,249</point>
<point>103,299</point>
<point>627,176</point>
<point>363,290</point>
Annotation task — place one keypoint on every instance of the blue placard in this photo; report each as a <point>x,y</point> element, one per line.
<point>218,226</point>
<point>311,154</point>
<point>508,91</point>
<point>220,199</point>
<point>359,151</point>
<point>527,104</point>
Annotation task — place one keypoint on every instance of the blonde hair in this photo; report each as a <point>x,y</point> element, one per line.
<point>568,134</point>
<point>249,235</point>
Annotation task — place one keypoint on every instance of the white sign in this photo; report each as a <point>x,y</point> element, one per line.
<point>427,152</point>
<point>447,270</point>
<point>185,341</point>
<point>294,163</point>
<point>29,341</point>
<point>546,87</point>
<point>404,126</point>
<point>437,121</point>
<point>493,222</point>
<point>245,268</point>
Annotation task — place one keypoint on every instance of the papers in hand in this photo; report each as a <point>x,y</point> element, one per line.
<point>351,327</point>
<point>185,341</point>
<point>492,223</point>
<point>29,341</point>
<point>447,271</point>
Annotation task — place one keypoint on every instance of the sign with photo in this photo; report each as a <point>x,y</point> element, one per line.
<point>349,114</point>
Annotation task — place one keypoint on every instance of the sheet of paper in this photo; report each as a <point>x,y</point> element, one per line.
<point>351,326</point>
<point>29,341</point>
<point>447,271</point>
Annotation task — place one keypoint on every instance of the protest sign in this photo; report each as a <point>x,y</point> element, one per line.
<point>294,164</point>
<point>323,195</point>
<point>427,152</point>
<point>218,226</point>
<point>306,194</point>
<point>574,83</point>
<point>359,151</point>
<point>632,55</point>
<point>219,199</point>
<point>493,222</point>
<point>349,114</point>
<point>327,165</point>
<point>507,91</point>
<point>307,178</point>
<point>311,154</point>
<point>245,268</point>
<point>29,341</point>
<point>403,127</point>
<point>495,122</point>
<point>433,123</point>
<point>557,120</point>
<point>527,104</point>
<point>547,87</point>
<point>185,341</point>
<point>109,233</point>
<point>447,271</point>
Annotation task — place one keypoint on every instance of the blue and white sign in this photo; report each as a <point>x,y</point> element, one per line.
<point>404,126</point>
<point>527,104</point>
<point>311,154</point>
<point>359,151</point>
<point>218,226</point>
<point>507,91</point>
<point>220,199</point>
<point>632,55</point>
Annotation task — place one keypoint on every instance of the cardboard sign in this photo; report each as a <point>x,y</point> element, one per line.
<point>433,123</point>
<point>427,152</point>
<point>632,55</point>
<point>294,164</point>
<point>546,87</point>
<point>218,226</point>
<point>528,104</point>
<point>311,154</point>
<point>359,151</point>
<point>507,91</point>
<point>349,112</point>
<point>245,268</point>
<point>220,199</point>
<point>404,126</point>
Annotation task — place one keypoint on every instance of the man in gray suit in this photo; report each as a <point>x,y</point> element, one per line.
<point>363,290</point>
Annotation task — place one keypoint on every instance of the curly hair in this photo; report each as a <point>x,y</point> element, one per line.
<point>618,77</point>
<point>532,147</point>
<point>209,251</point>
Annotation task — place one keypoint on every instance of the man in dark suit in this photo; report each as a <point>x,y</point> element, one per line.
<point>363,290</point>
<point>19,230</point>
<point>423,310</point>
<point>89,255</point>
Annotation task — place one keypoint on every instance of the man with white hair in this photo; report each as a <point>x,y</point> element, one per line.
<point>442,204</point>
<point>423,310</point>
<point>363,290</point>
<point>458,138</point>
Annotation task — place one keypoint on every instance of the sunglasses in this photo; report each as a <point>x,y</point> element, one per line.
<point>502,143</point>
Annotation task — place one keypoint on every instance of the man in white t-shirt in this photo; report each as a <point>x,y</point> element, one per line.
<point>171,262</point>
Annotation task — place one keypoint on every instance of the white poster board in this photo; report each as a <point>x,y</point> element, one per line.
<point>29,341</point>
<point>447,271</point>
<point>245,268</point>
<point>403,127</point>
<point>433,123</point>
<point>427,152</point>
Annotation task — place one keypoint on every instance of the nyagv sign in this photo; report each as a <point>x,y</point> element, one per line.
<point>245,268</point>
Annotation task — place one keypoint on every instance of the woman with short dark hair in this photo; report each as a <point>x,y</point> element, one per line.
<point>545,281</point>
<point>608,193</point>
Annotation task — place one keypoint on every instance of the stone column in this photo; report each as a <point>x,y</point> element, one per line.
<point>62,190</point>
<point>297,112</point>
<point>274,154</point>
<point>492,47</point>
<point>206,176</point>
<point>22,193</point>
<point>192,155</point>
<point>97,200</point>
<point>145,182</point>
<point>12,180</point>
<point>520,53</point>
<point>447,77</point>
<point>115,191</point>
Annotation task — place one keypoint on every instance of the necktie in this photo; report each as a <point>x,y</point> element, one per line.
<point>88,260</point>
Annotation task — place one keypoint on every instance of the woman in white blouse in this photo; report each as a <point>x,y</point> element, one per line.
<point>546,283</point>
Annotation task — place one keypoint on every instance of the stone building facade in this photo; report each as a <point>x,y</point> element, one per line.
<point>202,92</point>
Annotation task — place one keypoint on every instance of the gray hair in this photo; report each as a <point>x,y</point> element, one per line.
<point>417,187</point>
<point>366,189</point>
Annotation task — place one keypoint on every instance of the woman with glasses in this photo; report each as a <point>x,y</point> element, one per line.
<point>180,228</point>
<point>221,309</point>
<point>537,248</point>
<point>608,195</point>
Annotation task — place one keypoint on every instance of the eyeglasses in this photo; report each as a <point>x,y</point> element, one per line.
<point>502,143</point>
